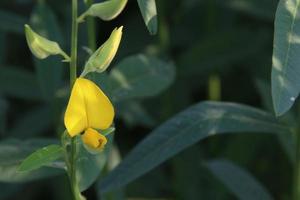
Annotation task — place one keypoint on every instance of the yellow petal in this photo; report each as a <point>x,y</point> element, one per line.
<point>88,107</point>
<point>93,139</point>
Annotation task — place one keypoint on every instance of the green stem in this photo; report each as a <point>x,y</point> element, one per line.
<point>73,63</point>
<point>214,88</point>
<point>73,76</point>
<point>297,170</point>
<point>91,29</point>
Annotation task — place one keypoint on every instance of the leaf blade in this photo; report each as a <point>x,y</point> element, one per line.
<point>41,157</point>
<point>285,70</point>
<point>149,13</point>
<point>205,119</point>
<point>241,183</point>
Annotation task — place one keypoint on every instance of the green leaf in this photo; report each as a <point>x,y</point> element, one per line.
<point>149,13</point>
<point>285,67</point>
<point>133,113</point>
<point>19,83</point>
<point>185,129</point>
<point>11,22</point>
<point>287,141</point>
<point>89,166</point>
<point>41,157</point>
<point>49,71</point>
<point>106,10</point>
<point>242,184</point>
<point>136,76</point>
<point>26,125</point>
<point>13,152</point>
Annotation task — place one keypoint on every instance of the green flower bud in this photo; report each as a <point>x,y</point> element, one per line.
<point>42,47</point>
<point>103,56</point>
<point>106,11</point>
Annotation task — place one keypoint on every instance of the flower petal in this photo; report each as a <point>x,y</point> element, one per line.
<point>93,139</point>
<point>88,108</point>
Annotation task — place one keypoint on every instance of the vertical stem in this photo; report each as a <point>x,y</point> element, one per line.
<point>91,29</point>
<point>297,169</point>
<point>73,63</point>
<point>214,82</point>
<point>214,88</point>
<point>73,76</point>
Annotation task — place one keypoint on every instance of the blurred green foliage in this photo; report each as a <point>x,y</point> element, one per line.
<point>231,40</point>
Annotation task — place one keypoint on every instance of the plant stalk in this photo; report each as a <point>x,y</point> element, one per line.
<point>73,76</point>
<point>91,29</point>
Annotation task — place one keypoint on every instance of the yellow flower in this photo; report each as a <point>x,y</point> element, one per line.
<point>88,109</point>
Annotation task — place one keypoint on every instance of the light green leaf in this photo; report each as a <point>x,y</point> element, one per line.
<point>136,76</point>
<point>13,152</point>
<point>49,71</point>
<point>149,13</point>
<point>41,157</point>
<point>286,62</point>
<point>185,129</point>
<point>89,166</point>
<point>19,83</point>
<point>106,10</point>
<point>242,184</point>
<point>11,22</point>
<point>102,57</point>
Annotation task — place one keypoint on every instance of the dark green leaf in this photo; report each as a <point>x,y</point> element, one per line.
<point>242,184</point>
<point>136,77</point>
<point>185,129</point>
<point>13,152</point>
<point>149,13</point>
<point>286,62</point>
<point>41,157</point>
<point>17,82</point>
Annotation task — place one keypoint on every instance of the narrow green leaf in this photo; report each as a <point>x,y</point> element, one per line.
<point>19,83</point>
<point>106,10</point>
<point>242,184</point>
<point>13,152</point>
<point>136,76</point>
<point>149,13</point>
<point>185,129</point>
<point>11,22</point>
<point>41,157</point>
<point>285,67</point>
